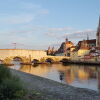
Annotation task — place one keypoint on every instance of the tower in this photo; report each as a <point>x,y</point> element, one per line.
<point>49,50</point>
<point>98,35</point>
<point>66,40</point>
<point>87,37</point>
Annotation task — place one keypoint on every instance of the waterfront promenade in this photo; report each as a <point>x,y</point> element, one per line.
<point>81,62</point>
<point>52,90</point>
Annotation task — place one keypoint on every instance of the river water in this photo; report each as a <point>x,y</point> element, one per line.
<point>74,75</point>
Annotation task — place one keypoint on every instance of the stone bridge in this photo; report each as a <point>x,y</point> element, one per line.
<point>26,56</point>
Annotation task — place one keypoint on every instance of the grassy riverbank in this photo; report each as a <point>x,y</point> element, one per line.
<point>31,87</point>
<point>10,85</point>
<point>12,88</point>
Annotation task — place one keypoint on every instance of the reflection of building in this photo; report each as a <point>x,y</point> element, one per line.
<point>69,76</point>
<point>82,74</point>
<point>39,70</point>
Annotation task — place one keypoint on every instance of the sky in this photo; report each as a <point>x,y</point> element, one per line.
<point>38,24</point>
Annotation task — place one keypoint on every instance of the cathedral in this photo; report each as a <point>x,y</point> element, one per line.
<point>98,35</point>
<point>64,46</point>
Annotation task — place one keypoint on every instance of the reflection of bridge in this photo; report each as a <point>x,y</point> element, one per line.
<point>26,56</point>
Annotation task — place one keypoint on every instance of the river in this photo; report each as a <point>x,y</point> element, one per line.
<point>74,75</point>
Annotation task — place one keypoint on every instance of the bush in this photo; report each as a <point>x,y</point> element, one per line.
<point>10,86</point>
<point>4,73</point>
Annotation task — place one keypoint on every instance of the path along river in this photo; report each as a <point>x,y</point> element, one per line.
<point>74,75</point>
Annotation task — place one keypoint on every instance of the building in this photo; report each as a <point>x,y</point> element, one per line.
<point>64,48</point>
<point>50,51</point>
<point>86,44</point>
<point>98,35</point>
<point>84,48</point>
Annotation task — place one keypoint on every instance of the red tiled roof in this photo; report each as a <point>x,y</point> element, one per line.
<point>88,41</point>
<point>91,41</point>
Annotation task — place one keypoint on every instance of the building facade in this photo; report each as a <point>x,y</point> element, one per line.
<point>86,44</point>
<point>64,48</point>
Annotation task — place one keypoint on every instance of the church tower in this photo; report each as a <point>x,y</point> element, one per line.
<point>98,35</point>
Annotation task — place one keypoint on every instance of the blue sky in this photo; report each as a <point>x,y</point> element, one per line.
<point>37,24</point>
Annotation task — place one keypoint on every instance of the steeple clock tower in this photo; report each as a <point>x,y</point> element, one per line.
<point>98,35</point>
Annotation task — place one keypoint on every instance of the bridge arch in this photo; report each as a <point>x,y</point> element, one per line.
<point>17,60</point>
<point>35,61</point>
<point>8,60</point>
<point>49,60</point>
<point>64,60</point>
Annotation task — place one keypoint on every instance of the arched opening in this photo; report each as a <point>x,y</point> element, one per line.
<point>17,60</point>
<point>1,61</point>
<point>49,60</point>
<point>68,54</point>
<point>35,61</point>
<point>64,60</point>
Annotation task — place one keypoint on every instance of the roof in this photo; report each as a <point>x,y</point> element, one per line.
<point>97,48</point>
<point>91,41</point>
<point>88,41</point>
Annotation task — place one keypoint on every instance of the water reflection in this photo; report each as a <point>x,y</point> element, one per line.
<point>75,75</point>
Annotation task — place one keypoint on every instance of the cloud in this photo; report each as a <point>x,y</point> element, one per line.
<point>58,32</point>
<point>61,29</point>
<point>80,35</point>
<point>44,11</point>
<point>25,12</point>
<point>18,23</point>
<point>52,37</point>
<point>29,6</point>
<point>74,35</point>
<point>17,19</point>
<point>29,37</point>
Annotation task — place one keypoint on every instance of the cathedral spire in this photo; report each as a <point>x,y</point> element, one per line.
<point>98,35</point>
<point>99,23</point>
<point>66,40</point>
<point>87,37</point>
<point>98,30</point>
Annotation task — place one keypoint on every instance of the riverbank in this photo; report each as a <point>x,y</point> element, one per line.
<point>52,90</point>
<point>81,62</point>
